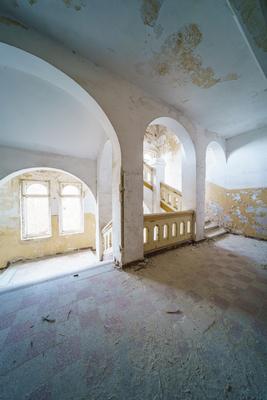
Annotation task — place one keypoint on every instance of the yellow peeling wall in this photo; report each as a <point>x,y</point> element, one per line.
<point>242,211</point>
<point>12,248</point>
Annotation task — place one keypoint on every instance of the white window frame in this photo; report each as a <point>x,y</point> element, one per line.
<point>23,196</point>
<point>81,196</point>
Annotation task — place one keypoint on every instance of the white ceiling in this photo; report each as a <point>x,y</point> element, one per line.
<point>215,74</point>
<point>40,116</point>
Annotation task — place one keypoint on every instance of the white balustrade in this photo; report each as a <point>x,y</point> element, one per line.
<point>168,229</point>
<point>170,197</point>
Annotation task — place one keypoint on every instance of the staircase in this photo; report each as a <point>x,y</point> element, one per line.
<point>170,198</point>
<point>213,230</point>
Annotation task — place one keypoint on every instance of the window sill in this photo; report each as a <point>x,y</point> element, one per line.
<point>26,239</point>
<point>71,233</point>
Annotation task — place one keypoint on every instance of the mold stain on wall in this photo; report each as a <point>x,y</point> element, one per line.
<point>177,55</point>
<point>12,248</point>
<point>11,22</point>
<point>252,17</point>
<point>242,211</point>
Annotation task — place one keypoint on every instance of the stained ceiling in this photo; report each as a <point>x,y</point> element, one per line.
<point>208,58</point>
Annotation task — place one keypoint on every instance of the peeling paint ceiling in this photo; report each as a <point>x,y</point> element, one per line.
<point>207,58</point>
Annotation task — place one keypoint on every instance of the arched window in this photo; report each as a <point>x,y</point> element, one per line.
<point>71,208</point>
<point>35,210</point>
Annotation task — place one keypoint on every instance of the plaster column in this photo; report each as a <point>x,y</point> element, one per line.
<point>132,215</point>
<point>104,195</point>
<point>158,177</point>
<point>200,190</point>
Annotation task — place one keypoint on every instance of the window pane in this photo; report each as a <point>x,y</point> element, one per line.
<point>72,217</point>
<point>36,216</point>
<point>73,190</point>
<point>35,188</point>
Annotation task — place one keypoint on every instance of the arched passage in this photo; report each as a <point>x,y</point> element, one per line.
<point>45,212</point>
<point>215,183</point>
<point>188,160</point>
<point>66,125</point>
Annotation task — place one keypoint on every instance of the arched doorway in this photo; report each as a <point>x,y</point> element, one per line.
<point>162,170</point>
<point>45,212</point>
<point>169,172</point>
<point>179,158</point>
<point>64,121</point>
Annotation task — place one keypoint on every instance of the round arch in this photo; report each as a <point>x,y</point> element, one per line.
<point>33,169</point>
<point>15,58</point>
<point>188,160</point>
<point>19,59</point>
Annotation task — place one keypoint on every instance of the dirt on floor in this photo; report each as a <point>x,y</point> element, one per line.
<point>187,324</point>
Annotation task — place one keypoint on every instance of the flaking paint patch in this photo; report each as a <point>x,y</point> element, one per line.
<point>32,2</point>
<point>252,17</point>
<point>177,55</point>
<point>238,210</point>
<point>150,11</point>
<point>12,22</point>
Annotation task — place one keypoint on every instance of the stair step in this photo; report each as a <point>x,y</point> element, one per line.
<point>215,233</point>
<point>211,225</point>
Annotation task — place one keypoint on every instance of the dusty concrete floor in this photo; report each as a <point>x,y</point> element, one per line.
<point>192,324</point>
<point>25,273</point>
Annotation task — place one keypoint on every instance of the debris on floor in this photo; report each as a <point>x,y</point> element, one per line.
<point>47,319</point>
<point>174,312</point>
<point>121,332</point>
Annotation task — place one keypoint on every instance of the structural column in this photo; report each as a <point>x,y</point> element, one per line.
<point>159,176</point>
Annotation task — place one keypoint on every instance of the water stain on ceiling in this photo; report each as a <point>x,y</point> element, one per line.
<point>252,17</point>
<point>150,11</point>
<point>177,54</point>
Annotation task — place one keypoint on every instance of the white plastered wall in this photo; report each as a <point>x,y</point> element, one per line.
<point>247,160</point>
<point>216,169</point>
<point>173,169</point>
